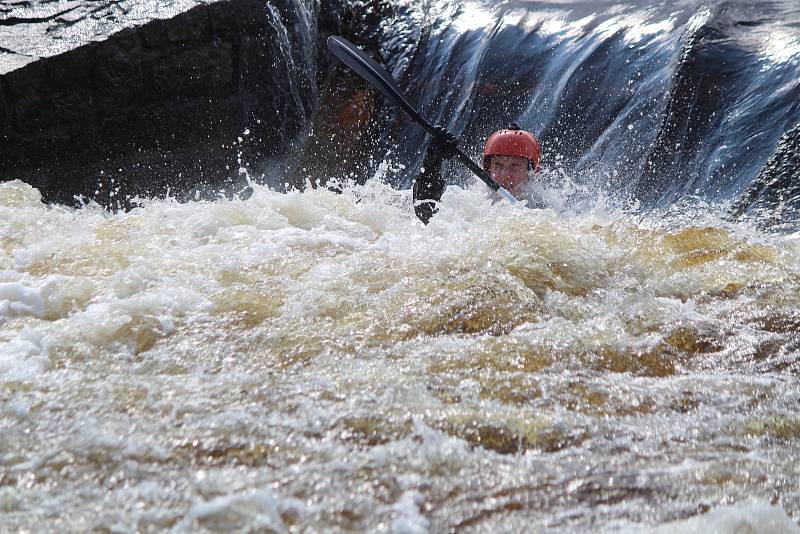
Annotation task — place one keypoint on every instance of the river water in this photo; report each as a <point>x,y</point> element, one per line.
<point>658,100</point>
<point>625,360</point>
<point>324,362</point>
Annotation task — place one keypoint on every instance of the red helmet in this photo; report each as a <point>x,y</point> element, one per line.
<point>513,141</point>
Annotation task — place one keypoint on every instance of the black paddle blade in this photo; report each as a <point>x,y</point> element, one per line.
<point>368,68</point>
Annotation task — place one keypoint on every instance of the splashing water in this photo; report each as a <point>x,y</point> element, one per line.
<point>321,361</point>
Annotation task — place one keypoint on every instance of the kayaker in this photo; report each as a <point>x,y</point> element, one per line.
<point>509,156</point>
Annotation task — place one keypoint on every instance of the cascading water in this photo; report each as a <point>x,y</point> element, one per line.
<point>321,362</point>
<point>657,100</point>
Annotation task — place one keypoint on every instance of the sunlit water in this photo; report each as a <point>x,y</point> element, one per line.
<point>322,362</point>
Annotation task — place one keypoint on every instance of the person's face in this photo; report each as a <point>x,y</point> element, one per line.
<point>509,171</point>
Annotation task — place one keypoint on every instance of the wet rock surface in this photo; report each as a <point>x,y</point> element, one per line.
<point>108,100</point>
<point>773,197</point>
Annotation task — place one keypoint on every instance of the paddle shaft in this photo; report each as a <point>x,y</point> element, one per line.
<point>367,68</point>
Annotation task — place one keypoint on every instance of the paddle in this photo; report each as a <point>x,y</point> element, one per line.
<point>367,68</point>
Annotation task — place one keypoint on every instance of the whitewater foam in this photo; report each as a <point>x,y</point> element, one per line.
<point>330,363</point>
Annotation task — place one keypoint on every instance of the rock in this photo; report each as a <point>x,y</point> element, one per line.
<point>120,78</point>
<point>164,100</point>
<point>27,80</point>
<point>774,195</point>
<point>160,99</point>
<point>72,69</point>
<point>242,15</point>
<point>3,112</point>
<point>190,26</point>
<point>201,71</point>
<point>154,34</point>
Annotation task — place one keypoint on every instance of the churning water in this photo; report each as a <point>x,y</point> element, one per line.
<point>321,362</point>
<point>324,362</point>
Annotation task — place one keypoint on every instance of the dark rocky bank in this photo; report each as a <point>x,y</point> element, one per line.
<point>177,105</point>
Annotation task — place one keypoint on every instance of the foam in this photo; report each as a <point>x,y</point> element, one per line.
<point>24,357</point>
<point>334,349</point>
<point>17,300</point>
<point>252,509</point>
<point>409,520</point>
<point>744,518</point>
<point>18,194</point>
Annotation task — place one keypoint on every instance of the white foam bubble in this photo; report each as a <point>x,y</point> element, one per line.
<point>11,276</point>
<point>18,194</point>
<point>24,357</point>
<point>17,299</point>
<point>745,518</point>
<point>427,447</point>
<point>408,518</point>
<point>249,510</point>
